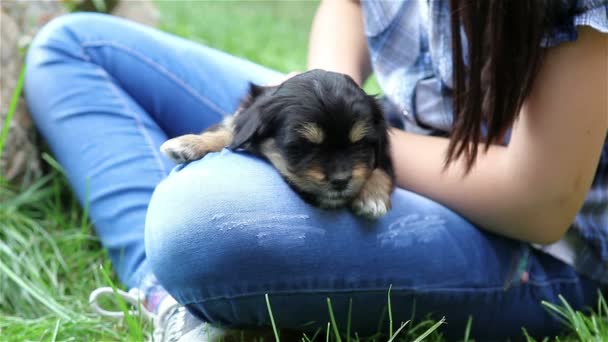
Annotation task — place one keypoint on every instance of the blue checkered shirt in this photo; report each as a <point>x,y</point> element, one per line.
<point>410,48</point>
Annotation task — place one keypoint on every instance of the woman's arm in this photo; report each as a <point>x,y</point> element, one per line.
<point>532,189</point>
<point>337,40</point>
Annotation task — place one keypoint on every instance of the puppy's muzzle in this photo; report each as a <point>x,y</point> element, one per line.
<point>340,181</point>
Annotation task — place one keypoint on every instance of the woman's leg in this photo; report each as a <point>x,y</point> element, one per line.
<point>224,231</point>
<point>105,93</point>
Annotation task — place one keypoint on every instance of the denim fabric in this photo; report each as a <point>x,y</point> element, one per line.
<point>105,93</point>
<point>222,232</point>
<point>410,47</point>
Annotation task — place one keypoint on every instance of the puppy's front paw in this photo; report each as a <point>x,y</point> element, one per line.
<point>374,200</point>
<point>371,205</point>
<point>185,148</point>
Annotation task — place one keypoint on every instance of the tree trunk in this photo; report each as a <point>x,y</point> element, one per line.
<point>20,20</point>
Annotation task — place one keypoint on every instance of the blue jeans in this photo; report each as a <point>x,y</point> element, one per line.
<point>222,232</point>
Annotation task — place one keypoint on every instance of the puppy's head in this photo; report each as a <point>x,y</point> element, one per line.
<point>320,130</point>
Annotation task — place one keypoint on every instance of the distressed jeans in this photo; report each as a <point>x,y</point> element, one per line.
<point>222,232</point>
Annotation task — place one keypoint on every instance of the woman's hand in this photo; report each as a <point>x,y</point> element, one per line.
<point>532,189</point>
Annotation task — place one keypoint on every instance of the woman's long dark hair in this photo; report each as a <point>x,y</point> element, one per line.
<point>503,38</point>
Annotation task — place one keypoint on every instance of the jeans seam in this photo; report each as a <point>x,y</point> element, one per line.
<point>393,289</point>
<point>161,69</point>
<point>553,282</point>
<point>140,126</point>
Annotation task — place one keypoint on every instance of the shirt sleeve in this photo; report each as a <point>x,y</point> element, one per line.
<point>593,13</point>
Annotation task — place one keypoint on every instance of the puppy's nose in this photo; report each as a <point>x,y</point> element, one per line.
<point>340,181</point>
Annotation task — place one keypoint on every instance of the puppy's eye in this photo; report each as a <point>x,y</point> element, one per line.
<point>366,142</point>
<point>300,147</point>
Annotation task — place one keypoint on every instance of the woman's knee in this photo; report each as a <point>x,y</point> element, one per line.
<point>201,222</point>
<point>57,45</point>
<point>63,32</point>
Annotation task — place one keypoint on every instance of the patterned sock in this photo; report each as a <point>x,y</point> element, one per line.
<point>154,293</point>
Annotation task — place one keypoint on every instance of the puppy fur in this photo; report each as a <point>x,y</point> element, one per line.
<point>324,135</point>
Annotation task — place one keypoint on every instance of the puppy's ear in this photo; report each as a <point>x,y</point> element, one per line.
<point>255,119</point>
<point>247,127</point>
<point>255,91</point>
<point>382,148</point>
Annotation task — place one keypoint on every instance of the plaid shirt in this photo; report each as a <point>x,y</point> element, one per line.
<point>410,48</point>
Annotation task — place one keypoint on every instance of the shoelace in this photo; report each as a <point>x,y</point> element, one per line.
<point>133,297</point>
<point>136,299</point>
<point>173,329</point>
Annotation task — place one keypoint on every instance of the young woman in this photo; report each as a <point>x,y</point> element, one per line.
<point>501,162</point>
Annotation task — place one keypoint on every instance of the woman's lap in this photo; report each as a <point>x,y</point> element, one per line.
<point>224,231</point>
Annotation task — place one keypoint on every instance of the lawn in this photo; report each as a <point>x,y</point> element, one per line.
<point>50,259</point>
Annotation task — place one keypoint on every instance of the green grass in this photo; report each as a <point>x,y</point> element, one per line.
<point>50,259</point>
<point>49,262</point>
<point>11,110</point>
<point>270,33</point>
<point>274,34</point>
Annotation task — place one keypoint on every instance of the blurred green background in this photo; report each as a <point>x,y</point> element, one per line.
<point>271,33</point>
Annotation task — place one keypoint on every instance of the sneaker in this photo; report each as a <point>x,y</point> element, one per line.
<point>172,323</point>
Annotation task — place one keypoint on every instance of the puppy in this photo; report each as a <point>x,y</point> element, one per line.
<point>324,135</point>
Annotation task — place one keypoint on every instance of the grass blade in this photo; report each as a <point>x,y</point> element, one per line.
<point>48,302</point>
<point>11,109</point>
<point>602,307</point>
<point>350,311</point>
<point>467,330</point>
<point>527,336</point>
<point>133,326</point>
<point>430,330</point>
<point>602,310</point>
<point>56,331</point>
<point>53,163</point>
<point>274,326</point>
<point>333,320</point>
<point>398,331</point>
<point>557,312</point>
<point>390,312</point>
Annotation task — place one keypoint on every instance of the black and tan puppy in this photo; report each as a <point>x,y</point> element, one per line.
<point>325,136</point>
